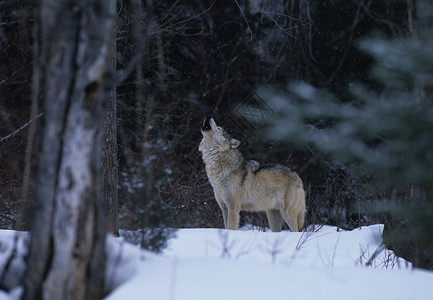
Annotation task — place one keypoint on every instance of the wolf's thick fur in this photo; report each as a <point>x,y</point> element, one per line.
<point>241,184</point>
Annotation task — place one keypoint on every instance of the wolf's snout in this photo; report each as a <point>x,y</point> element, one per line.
<point>206,123</point>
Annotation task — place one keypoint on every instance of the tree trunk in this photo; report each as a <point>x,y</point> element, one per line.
<point>110,172</point>
<point>66,258</point>
<point>110,160</point>
<point>25,206</point>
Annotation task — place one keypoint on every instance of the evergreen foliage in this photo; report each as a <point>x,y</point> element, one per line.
<point>387,131</point>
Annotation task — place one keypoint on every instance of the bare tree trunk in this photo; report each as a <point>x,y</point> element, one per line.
<point>110,168</point>
<point>24,209</point>
<point>110,172</point>
<point>66,258</point>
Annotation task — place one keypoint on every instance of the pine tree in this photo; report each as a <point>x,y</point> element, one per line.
<point>387,130</point>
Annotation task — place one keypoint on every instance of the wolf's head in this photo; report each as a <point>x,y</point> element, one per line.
<point>214,137</point>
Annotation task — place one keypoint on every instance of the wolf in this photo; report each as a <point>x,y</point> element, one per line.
<point>248,185</point>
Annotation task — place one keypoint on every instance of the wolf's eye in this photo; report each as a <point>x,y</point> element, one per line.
<point>219,128</point>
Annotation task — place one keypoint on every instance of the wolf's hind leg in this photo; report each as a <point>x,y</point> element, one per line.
<point>301,218</point>
<point>291,219</point>
<point>275,220</point>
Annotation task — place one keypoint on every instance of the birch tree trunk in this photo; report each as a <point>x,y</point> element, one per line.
<point>66,258</point>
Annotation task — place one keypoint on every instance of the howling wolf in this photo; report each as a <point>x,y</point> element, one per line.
<point>241,184</point>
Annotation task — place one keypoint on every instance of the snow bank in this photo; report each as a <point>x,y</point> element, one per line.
<point>219,264</point>
<point>321,263</point>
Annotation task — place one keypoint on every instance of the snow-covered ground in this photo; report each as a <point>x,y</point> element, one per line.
<point>321,263</point>
<point>219,264</point>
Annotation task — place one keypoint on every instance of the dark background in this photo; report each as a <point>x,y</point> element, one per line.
<point>202,57</point>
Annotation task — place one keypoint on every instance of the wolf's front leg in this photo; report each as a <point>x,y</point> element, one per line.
<point>224,211</point>
<point>223,208</point>
<point>233,218</point>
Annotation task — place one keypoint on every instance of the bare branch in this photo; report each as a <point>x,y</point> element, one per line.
<point>246,21</point>
<point>21,128</point>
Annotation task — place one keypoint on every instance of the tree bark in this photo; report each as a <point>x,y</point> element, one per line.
<point>110,172</point>
<point>66,257</point>
<point>25,206</point>
<point>110,160</point>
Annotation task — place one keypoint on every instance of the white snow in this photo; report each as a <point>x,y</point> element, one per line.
<point>320,263</point>
<point>220,264</point>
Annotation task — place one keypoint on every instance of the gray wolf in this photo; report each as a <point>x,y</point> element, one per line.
<point>247,185</point>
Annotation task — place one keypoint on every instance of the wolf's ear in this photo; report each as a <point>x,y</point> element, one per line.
<point>234,143</point>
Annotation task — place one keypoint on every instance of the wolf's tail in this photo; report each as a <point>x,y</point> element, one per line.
<point>303,210</point>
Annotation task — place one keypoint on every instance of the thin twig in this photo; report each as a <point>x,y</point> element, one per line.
<point>21,128</point>
<point>246,21</point>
